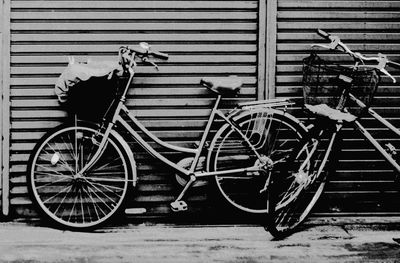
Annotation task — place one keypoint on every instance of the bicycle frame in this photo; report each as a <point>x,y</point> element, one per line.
<point>365,133</point>
<point>368,135</point>
<point>117,118</point>
<point>197,152</point>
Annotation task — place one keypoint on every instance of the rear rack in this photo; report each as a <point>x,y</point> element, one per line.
<point>270,103</point>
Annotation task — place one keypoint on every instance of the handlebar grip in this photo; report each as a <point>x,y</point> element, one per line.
<point>159,55</point>
<point>323,34</point>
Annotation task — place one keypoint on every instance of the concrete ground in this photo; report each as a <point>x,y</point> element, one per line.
<point>20,242</point>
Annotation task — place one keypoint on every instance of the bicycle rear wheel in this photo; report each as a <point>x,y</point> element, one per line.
<point>273,135</point>
<point>65,196</point>
<point>296,190</point>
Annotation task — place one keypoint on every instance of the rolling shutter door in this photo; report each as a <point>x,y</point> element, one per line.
<point>363,184</point>
<point>203,38</point>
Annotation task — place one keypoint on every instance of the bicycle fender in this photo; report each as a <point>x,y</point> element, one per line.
<point>129,153</point>
<point>274,111</point>
<point>238,115</point>
<point>290,116</point>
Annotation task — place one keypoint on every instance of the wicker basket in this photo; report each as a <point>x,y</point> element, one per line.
<point>324,82</point>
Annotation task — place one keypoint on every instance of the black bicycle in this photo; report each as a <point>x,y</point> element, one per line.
<point>334,95</point>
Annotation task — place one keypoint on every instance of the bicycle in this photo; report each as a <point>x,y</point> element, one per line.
<point>79,174</point>
<point>334,95</point>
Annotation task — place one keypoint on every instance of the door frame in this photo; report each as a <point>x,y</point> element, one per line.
<point>270,58</point>
<point>5,7</point>
<point>267,13</point>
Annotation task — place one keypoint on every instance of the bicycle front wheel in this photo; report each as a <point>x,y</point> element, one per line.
<point>65,196</point>
<point>296,190</point>
<point>270,135</point>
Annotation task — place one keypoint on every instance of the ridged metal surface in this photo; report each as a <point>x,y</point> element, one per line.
<point>203,38</point>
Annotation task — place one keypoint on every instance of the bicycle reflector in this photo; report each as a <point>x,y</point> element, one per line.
<point>55,158</point>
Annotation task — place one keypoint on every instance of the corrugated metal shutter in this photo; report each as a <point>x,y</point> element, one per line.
<point>363,183</point>
<point>203,38</point>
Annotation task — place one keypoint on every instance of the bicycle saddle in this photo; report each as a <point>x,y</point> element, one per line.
<point>223,85</point>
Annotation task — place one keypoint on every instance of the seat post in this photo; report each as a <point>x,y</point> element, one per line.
<point>213,112</point>
<point>217,101</point>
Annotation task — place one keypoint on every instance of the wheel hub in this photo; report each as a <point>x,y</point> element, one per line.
<point>78,177</point>
<point>265,162</point>
<point>301,177</point>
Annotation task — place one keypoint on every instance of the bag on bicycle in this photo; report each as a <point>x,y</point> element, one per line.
<point>87,89</point>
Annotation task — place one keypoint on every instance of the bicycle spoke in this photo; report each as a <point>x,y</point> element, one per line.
<point>82,201</point>
<point>57,174</point>
<point>63,161</point>
<point>94,203</point>
<point>108,187</point>
<point>68,146</point>
<point>48,184</point>
<point>54,196</point>
<point>105,195</point>
<point>64,164</point>
<point>72,209</point>
<point>108,164</point>
<point>62,202</point>
<point>234,178</point>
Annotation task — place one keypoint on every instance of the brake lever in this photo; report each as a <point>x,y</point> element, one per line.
<point>384,71</point>
<point>146,59</point>
<point>335,40</point>
<point>154,65</point>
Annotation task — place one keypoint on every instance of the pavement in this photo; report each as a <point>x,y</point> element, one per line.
<point>320,241</point>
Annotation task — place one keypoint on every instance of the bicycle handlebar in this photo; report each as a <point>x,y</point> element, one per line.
<point>127,54</point>
<point>159,54</point>
<point>381,59</point>
<point>144,49</point>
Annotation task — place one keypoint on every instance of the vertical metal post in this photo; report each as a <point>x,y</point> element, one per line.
<point>261,64</point>
<point>1,101</point>
<point>271,31</point>
<point>5,107</point>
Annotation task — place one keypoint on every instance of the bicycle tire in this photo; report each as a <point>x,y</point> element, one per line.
<point>68,199</point>
<point>273,134</point>
<point>294,193</point>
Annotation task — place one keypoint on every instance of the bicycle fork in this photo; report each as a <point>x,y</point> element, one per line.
<point>326,155</point>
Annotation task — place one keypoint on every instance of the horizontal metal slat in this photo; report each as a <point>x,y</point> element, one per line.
<point>113,48</point>
<point>135,15</point>
<point>186,59</point>
<point>133,91</point>
<point>135,4</point>
<point>133,26</point>
<point>156,80</point>
<point>357,5</point>
<point>32,38</point>
<point>386,15</point>
<point>148,70</point>
<point>356,26</point>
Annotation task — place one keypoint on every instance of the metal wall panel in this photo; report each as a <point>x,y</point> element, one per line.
<point>203,38</point>
<point>363,184</point>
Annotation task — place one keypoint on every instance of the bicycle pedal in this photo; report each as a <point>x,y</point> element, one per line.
<point>179,206</point>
